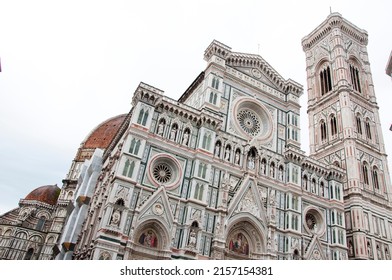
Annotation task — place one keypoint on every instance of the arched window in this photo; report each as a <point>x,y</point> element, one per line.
<point>323,131</point>
<point>29,254</point>
<point>215,83</point>
<point>202,170</point>
<point>143,116</point>
<point>135,145</point>
<point>365,173</point>
<point>359,124</point>
<point>199,192</point>
<point>305,182</point>
<point>213,98</point>
<point>325,81</point>
<point>41,223</point>
<point>376,183</point>
<point>355,79</point>
<point>128,168</point>
<point>334,129</point>
<point>206,141</point>
<point>367,129</point>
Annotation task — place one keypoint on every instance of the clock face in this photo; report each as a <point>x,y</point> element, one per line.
<point>256,73</point>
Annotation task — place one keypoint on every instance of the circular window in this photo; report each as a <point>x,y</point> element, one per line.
<point>314,222</point>
<point>162,173</point>
<point>249,122</point>
<point>164,169</point>
<point>252,119</point>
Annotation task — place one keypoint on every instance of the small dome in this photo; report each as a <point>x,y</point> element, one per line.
<point>47,194</point>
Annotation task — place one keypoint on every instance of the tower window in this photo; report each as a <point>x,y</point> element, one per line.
<point>323,130</point>
<point>354,72</point>
<point>359,124</point>
<point>334,129</point>
<point>367,129</point>
<point>365,174</point>
<point>206,141</point>
<point>325,81</point>
<point>376,184</point>
<point>213,98</point>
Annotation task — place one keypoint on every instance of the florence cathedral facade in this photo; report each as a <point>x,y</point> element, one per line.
<point>219,173</point>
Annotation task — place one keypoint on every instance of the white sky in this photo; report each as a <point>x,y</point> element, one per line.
<point>69,65</point>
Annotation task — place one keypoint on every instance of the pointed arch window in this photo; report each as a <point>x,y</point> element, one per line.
<point>213,98</point>
<point>355,79</point>
<point>206,141</point>
<point>135,146</point>
<point>365,173</point>
<point>359,124</point>
<point>128,168</point>
<point>376,183</point>
<point>215,83</point>
<point>323,131</point>
<point>202,172</point>
<point>325,80</point>
<point>334,129</point>
<point>41,223</point>
<point>199,189</point>
<point>367,129</point>
<point>143,117</point>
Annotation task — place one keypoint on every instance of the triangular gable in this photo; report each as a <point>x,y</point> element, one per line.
<point>256,67</point>
<point>315,251</point>
<point>157,207</point>
<point>247,200</point>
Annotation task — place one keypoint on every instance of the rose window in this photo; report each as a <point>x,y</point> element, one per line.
<point>162,173</point>
<point>251,119</point>
<point>164,170</point>
<point>311,221</point>
<point>249,122</point>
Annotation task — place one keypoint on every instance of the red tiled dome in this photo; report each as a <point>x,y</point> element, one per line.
<point>47,194</point>
<point>104,133</point>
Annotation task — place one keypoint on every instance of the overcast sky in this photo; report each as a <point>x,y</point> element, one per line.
<point>69,65</point>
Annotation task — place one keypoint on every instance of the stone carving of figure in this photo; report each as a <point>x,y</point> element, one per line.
<point>115,218</point>
<point>192,238</point>
<point>227,154</point>
<point>217,149</point>
<point>237,157</point>
<point>185,138</point>
<point>313,188</point>
<point>262,167</point>
<point>173,133</point>
<point>251,162</point>
<point>272,171</point>
<point>160,128</point>
<point>280,174</point>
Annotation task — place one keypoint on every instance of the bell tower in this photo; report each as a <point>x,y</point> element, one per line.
<point>345,130</point>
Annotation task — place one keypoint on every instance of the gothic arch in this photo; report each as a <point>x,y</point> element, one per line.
<point>245,237</point>
<point>151,240</point>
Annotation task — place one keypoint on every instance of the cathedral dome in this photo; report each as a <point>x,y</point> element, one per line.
<point>103,134</point>
<point>47,194</point>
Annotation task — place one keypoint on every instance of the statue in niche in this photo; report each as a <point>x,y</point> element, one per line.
<point>251,162</point>
<point>237,157</point>
<point>227,153</point>
<point>160,127</point>
<point>185,138</point>
<point>173,133</point>
<point>217,149</point>
<point>263,167</point>
<point>115,220</point>
<point>280,174</point>
<point>192,238</point>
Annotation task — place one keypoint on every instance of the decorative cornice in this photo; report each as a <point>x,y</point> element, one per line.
<point>334,20</point>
